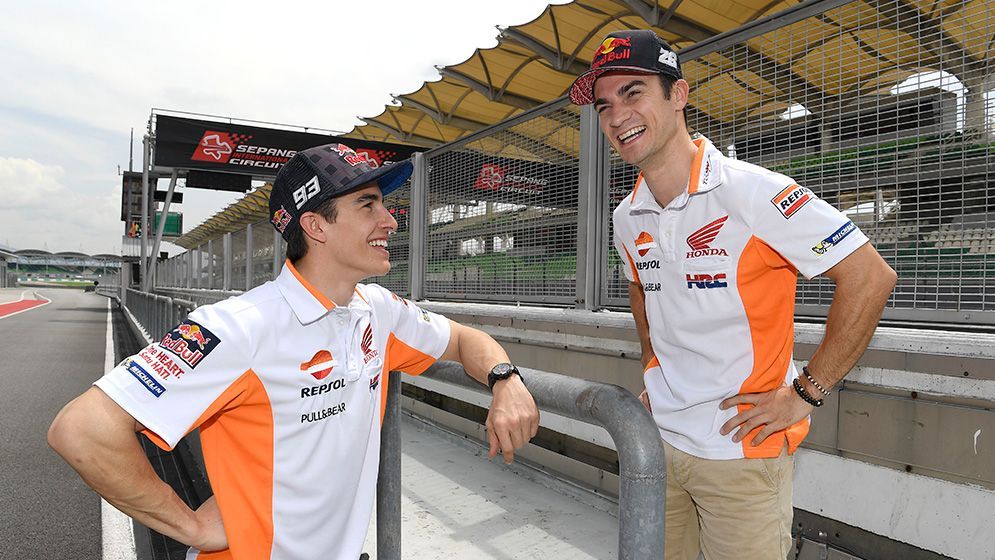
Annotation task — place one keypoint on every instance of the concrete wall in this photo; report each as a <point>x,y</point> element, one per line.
<point>905,449</point>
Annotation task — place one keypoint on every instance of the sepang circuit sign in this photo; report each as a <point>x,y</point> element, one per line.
<point>250,150</point>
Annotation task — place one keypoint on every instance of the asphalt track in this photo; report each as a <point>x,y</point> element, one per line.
<point>48,355</point>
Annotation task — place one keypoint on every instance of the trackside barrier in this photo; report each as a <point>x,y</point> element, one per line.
<point>157,314</point>
<point>642,471</point>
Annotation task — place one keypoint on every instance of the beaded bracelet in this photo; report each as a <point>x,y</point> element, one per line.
<point>814,382</point>
<point>804,394</point>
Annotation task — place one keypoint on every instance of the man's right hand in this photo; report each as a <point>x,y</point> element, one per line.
<point>211,529</point>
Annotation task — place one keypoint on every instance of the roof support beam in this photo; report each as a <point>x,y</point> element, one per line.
<point>403,136</point>
<point>675,23</point>
<point>488,90</point>
<point>928,31</point>
<point>509,138</point>
<point>450,120</point>
<point>556,58</point>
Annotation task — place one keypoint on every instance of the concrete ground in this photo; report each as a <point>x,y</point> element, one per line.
<point>458,504</point>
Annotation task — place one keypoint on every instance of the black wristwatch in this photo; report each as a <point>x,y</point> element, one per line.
<point>499,372</point>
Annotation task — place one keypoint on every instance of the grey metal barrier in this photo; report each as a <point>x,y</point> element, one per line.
<point>642,470</point>
<point>157,314</point>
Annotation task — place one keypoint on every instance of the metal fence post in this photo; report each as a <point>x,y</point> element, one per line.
<point>417,220</point>
<point>593,175</point>
<point>389,478</point>
<point>228,260</point>
<point>210,264</point>
<point>248,257</point>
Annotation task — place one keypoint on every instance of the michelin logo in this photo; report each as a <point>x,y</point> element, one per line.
<point>834,239</point>
<point>139,373</point>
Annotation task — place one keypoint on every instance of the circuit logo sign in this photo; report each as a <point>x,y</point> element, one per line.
<point>495,177</point>
<point>231,148</point>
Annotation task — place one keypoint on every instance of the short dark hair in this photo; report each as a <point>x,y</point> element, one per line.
<point>667,83</point>
<point>297,241</point>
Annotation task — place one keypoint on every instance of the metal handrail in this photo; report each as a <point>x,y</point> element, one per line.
<point>642,470</point>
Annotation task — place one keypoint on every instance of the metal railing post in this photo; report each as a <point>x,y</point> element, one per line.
<point>248,257</point>
<point>210,264</point>
<point>227,254</point>
<point>389,479</point>
<point>417,220</point>
<point>593,181</point>
<point>642,469</point>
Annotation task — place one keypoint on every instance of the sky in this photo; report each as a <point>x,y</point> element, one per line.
<point>78,76</point>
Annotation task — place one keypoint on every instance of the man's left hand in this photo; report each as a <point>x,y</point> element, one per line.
<point>774,410</point>
<point>513,418</point>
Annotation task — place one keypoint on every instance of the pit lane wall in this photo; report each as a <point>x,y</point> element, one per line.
<point>900,462</point>
<point>904,450</point>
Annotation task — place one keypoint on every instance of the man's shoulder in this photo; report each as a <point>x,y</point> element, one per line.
<point>243,313</point>
<point>739,174</point>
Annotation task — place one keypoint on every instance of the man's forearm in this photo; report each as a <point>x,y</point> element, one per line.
<point>478,352</point>
<point>853,316</point>
<point>637,303</point>
<point>104,450</point>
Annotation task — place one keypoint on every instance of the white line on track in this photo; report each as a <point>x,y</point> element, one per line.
<point>37,295</point>
<point>117,531</point>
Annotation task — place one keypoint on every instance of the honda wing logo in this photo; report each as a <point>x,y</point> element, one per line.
<point>701,238</point>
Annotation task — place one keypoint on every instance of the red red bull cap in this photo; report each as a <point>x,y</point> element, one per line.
<point>637,50</point>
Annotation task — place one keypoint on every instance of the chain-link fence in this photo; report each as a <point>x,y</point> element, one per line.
<point>501,213</point>
<point>885,109</point>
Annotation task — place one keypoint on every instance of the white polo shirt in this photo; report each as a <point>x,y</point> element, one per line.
<point>288,392</point>
<point>718,267</point>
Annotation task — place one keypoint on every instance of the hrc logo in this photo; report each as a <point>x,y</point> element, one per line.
<point>707,281</point>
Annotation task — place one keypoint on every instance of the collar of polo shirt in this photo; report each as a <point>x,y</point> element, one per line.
<point>307,302</point>
<point>705,176</point>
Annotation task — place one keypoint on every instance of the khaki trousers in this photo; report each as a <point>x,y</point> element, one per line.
<point>728,509</point>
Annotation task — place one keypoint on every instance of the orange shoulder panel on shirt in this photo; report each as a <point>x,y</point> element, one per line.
<point>401,357</point>
<point>767,282</point>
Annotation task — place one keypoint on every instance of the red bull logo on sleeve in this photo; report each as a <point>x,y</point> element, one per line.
<point>612,49</point>
<point>190,341</point>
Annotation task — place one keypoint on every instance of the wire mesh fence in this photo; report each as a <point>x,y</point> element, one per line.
<point>885,109</point>
<point>502,213</point>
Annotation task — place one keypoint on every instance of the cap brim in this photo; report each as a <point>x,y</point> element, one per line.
<point>582,90</point>
<point>388,177</point>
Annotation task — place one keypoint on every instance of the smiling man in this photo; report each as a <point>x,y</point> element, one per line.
<point>713,247</point>
<point>286,383</point>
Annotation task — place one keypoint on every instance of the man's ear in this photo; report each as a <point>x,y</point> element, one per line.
<point>679,92</point>
<point>314,226</point>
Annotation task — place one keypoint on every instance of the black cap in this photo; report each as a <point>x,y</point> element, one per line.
<point>636,50</point>
<point>316,174</point>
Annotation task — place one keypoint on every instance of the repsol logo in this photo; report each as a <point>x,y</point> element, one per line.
<point>322,389</point>
<point>707,281</point>
<point>647,265</point>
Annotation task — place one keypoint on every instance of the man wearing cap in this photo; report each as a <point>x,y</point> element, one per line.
<point>712,248</point>
<point>287,383</point>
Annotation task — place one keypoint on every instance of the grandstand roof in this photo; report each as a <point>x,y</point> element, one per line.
<point>536,62</point>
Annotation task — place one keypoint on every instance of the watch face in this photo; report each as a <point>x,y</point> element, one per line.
<point>502,370</point>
